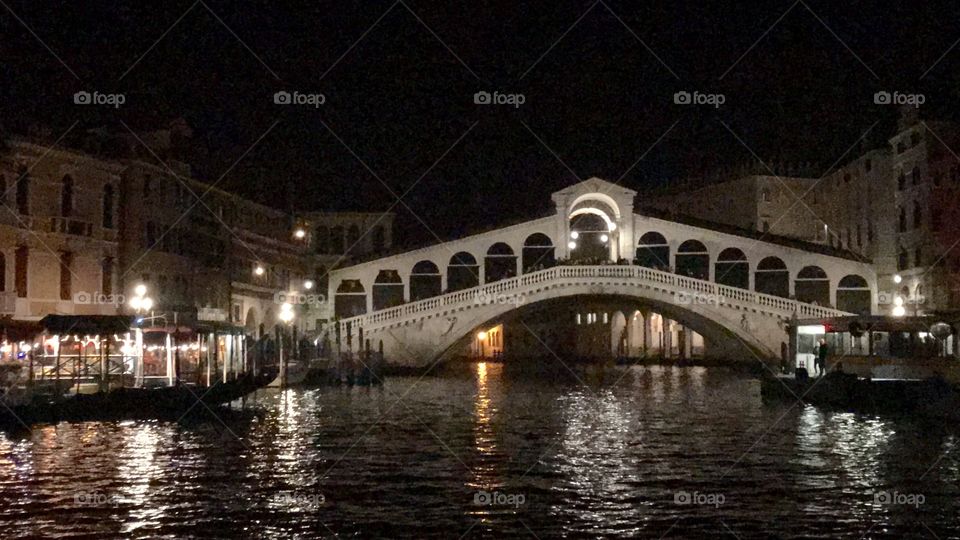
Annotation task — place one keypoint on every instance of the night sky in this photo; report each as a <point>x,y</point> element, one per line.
<point>399,80</point>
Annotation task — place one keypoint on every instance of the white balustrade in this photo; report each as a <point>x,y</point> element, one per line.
<point>639,275</point>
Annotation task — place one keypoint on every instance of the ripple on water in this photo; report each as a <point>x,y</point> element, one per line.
<point>557,458</point>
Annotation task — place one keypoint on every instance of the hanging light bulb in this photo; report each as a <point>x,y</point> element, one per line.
<point>572,245</point>
<point>574,235</point>
<point>604,238</point>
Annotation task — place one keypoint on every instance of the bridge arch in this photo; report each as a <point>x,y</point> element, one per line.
<point>499,263</point>
<point>812,285</point>
<point>653,251</point>
<point>854,295</point>
<point>538,252</point>
<point>463,272</point>
<point>728,337</point>
<point>598,197</point>
<point>425,281</point>
<point>387,290</point>
<point>772,277</point>
<point>350,299</point>
<point>732,269</point>
<point>693,260</point>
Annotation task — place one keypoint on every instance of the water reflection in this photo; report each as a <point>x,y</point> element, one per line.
<point>605,459</point>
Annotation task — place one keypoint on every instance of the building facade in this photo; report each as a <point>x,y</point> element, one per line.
<point>894,206</point>
<point>79,232</point>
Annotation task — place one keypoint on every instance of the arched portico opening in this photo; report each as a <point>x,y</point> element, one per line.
<point>387,290</point>
<point>653,251</point>
<point>618,335</point>
<point>636,335</point>
<point>463,272</point>
<point>732,269</point>
<point>772,277</point>
<point>250,325</point>
<point>854,295</point>
<point>537,252</point>
<point>350,300</point>
<point>693,260</point>
<point>590,238</point>
<point>425,281</point>
<point>500,263</point>
<point>813,286</point>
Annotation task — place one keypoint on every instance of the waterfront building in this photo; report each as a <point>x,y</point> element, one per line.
<point>81,229</point>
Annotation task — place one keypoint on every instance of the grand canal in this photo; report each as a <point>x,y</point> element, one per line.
<point>632,452</point>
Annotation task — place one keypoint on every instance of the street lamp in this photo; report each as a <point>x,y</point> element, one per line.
<point>897,278</point>
<point>258,270</point>
<point>299,234</point>
<point>308,284</point>
<point>140,301</point>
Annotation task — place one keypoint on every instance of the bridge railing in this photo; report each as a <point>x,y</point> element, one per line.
<point>489,292</point>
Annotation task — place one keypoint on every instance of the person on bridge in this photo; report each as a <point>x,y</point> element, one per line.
<point>822,352</point>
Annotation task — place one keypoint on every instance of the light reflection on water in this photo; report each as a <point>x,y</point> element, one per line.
<point>608,458</point>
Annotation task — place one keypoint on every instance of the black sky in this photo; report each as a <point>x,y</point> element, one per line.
<point>597,99</point>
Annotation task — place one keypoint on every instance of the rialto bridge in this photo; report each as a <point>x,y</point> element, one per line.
<point>733,290</point>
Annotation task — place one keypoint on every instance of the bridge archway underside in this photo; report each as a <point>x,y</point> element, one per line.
<point>737,322</point>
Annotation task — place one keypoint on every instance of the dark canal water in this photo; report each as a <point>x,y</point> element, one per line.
<point>633,452</point>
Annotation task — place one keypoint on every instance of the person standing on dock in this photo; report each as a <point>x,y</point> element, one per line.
<point>822,351</point>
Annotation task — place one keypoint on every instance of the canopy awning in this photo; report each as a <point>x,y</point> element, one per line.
<point>14,330</point>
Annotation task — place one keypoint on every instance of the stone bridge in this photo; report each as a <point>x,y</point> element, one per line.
<point>735,288</point>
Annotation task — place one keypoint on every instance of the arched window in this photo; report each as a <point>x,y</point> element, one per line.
<point>23,193</point>
<point>350,300</point>
<point>353,238</point>
<point>917,215</point>
<point>322,240</point>
<point>66,196</point>
<point>336,240</point>
<point>901,181</point>
<point>151,235</point>
<point>916,175</point>
<point>379,239</point>
<point>108,206</point>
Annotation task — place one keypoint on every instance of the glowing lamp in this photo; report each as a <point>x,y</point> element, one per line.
<point>481,336</point>
<point>259,270</point>
<point>574,235</point>
<point>572,245</point>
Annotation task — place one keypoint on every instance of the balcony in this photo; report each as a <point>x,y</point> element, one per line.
<point>73,227</point>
